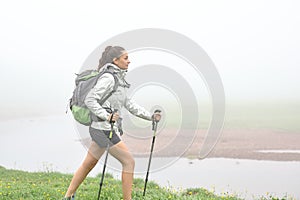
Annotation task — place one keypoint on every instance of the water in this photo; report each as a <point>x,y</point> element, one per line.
<point>52,144</point>
<point>247,178</point>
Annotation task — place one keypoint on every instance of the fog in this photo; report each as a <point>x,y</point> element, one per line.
<point>253,44</point>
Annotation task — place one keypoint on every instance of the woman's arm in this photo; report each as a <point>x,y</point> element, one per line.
<point>102,88</point>
<point>137,110</point>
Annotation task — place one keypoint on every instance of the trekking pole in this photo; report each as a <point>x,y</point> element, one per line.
<point>107,149</point>
<point>154,128</point>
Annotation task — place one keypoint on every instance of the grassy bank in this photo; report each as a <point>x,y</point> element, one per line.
<point>19,185</point>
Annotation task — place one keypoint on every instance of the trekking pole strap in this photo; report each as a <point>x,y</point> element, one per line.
<point>112,123</point>
<point>153,125</point>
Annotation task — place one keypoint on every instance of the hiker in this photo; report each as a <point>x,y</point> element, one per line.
<point>115,58</point>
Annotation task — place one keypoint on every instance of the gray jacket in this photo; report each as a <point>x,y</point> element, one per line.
<point>117,100</point>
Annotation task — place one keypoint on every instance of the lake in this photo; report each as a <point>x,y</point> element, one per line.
<point>52,144</point>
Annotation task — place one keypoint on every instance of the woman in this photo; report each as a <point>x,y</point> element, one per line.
<point>116,59</point>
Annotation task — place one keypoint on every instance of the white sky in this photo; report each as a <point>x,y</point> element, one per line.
<point>254,45</point>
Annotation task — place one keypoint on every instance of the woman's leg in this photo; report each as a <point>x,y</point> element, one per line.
<point>121,153</point>
<point>91,159</point>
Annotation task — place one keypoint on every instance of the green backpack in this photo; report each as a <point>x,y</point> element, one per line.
<point>84,82</point>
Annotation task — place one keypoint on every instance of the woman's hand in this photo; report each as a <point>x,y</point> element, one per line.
<point>156,116</point>
<point>115,117</point>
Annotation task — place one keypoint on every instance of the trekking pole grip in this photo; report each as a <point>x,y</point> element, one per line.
<point>154,121</point>
<point>112,114</point>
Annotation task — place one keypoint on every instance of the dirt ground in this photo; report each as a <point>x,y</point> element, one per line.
<point>240,144</point>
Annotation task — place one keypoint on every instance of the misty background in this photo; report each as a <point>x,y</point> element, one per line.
<point>253,44</point>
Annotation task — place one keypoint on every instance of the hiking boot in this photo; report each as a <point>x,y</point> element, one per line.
<point>69,198</point>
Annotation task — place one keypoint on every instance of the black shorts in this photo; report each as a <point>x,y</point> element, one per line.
<point>101,137</point>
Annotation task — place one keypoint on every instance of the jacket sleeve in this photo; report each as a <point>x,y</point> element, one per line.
<point>137,110</point>
<point>102,88</point>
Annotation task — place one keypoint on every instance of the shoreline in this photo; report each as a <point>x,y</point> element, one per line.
<point>234,143</point>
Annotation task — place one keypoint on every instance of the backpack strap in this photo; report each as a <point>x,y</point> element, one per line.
<point>116,85</point>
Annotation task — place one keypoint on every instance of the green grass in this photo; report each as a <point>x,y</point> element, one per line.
<point>20,185</point>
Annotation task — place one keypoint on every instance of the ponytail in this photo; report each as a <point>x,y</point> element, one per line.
<point>109,54</point>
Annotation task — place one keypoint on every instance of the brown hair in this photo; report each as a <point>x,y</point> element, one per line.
<point>109,54</point>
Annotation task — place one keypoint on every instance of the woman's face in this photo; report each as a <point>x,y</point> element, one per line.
<point>122,62</point>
